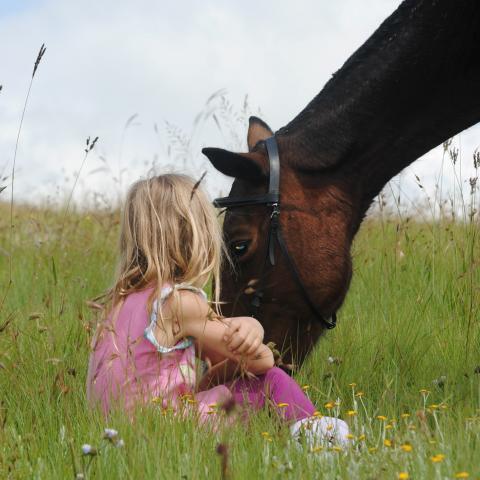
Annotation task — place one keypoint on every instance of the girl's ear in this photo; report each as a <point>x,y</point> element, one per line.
<point>258,130</point>
<point>246,166</point>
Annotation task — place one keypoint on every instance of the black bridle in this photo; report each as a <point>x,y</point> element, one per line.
<point>272,200</point>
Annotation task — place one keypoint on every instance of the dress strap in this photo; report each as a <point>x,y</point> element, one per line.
<point>165,293</point>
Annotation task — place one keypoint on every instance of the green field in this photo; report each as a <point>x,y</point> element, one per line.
<point>408,337</point>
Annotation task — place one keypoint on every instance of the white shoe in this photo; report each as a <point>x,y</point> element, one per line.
<point>321,431</point>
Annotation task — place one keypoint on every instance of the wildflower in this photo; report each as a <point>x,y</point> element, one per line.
<point>213,405</point>
<point>434,406</point>
<point>337,449</point>
<point>382,417</point>
<point>305,387</point>
<point>350,436</point>
<point>351,413</point>
<point>403,476</point>
<point>282,404</point>
<point>388,427</point>
<point>79,476</point>
<point>372,449</point>
<point>439,457</point>
<point>120,443</point>
<point>424,391</point>
<point>359,394</point>
<point>317,449</point>
<point>406,447</point>
<point>352,385</point>
<point>317,414</point>
<point>412,427</point>
<point>267,436</point>
<point>329,405</point>
<point>462,475</point>
<point>362,437</point>
<point>405,415</point>
<point>156,400</point>
<point>110,433</point>
<point>329,427</point>
<point>387,442</point>
<point>89,450</point>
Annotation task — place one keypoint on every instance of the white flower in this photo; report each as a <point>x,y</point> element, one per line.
<point>80,476</point>
<point>88,449</point>
<point>110,433</point>
<point>120,443</point>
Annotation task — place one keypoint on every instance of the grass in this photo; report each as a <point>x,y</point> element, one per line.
<point>408,338</point>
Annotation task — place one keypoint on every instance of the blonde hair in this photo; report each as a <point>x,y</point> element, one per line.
<point>169,234</point>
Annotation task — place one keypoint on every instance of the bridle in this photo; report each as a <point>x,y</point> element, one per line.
<point>272,200</point>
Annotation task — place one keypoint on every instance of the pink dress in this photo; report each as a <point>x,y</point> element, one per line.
<point>128,366</point>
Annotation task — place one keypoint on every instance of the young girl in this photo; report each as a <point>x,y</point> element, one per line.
<point>160,341</point>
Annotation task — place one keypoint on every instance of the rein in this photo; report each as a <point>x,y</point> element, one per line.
<point>272,200</point>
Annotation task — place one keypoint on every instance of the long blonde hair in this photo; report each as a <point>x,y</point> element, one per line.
<point>169,234</point>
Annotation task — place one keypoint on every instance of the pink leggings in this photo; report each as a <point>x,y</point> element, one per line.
<point>276,387</point>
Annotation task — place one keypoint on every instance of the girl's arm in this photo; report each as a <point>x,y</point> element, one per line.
<point>199,321</point>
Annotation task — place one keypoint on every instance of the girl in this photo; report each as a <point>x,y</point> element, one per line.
<point>160,341</point>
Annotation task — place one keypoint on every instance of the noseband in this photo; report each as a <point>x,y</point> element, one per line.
<point>272,200</point>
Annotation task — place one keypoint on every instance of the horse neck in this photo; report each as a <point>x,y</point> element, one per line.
<point>413,84</point>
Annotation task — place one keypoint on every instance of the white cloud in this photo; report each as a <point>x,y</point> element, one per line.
<point>108,60</point>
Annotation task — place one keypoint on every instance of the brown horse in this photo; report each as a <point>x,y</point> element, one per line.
<point>413,84</point>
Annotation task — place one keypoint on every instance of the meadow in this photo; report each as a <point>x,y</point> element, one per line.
<point>402,368</point>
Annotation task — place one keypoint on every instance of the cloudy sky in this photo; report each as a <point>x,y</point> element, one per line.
<point>161,61</point>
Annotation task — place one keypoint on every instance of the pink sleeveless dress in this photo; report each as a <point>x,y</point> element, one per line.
<point>127,365</point>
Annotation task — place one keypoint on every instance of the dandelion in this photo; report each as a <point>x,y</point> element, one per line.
<point>360,394</point>
<point>387,442</point>
<point>329,405</point>
<point>434,406</point>
<point>267,436</point>
<point>350,436</point>
<point>317,449</point>
<point>403,476</point>
<point>110,433</point>
<point>362,437</point>
<point>89,450</point>
<point>438,458</point>
<point>383,418</point>
<point>351,413</point>
<point>305,387</point>
<point>405,415</point>
<point>317,414</point>
<point>406,447</point>
<point>337,449</point>
<point>462,475</point>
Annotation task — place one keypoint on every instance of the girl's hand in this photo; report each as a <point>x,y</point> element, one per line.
<point>244,335</point>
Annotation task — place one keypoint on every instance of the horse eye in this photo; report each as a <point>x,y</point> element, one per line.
<point>240,248</point>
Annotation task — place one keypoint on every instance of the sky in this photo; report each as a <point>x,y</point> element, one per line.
<point>159,62</point>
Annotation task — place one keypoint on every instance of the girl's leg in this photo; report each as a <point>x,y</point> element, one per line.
<point>277,387</point>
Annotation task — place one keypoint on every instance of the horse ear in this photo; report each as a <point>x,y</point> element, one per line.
<point>257,130</point>
<point>247,166</point>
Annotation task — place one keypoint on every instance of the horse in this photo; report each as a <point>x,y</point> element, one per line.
<point>413,84</point>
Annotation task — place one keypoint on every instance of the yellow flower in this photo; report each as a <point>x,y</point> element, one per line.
<point>156,400</point>
<point>439,457</point>
<point>406,447</point>
<point>359,394</point>
<point>316,449</point>
<point>405,415</point>
<point>213,405</point>
<point>266,436</point>
<point>372,449</point>
<point>387,442</point>
<point>353,385</point>
<point>282,405</point>
<point>351,413</point>
<point>424,391</point>
<point>382,417</point>
<point>403,476</point>
<point>462,475</point>
<point>317,414</point>
<point>337,449</point>
<point>433,406</point>
<point>329,427</point>
<point>329,405</point>
<point>305,387</point>
<point>361,437</point>
<point>432,442</point>
<point>412,427</point>
<point>350,436</point>
<point>388,427</point>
